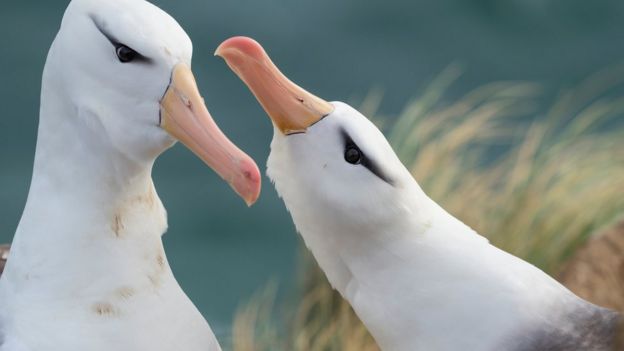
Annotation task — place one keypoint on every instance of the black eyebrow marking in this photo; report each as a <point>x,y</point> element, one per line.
<point>116,43</point>
<point>371,165</point>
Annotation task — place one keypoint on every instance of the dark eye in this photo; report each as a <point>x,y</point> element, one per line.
<point>353,155</point>
<point>125,54</point>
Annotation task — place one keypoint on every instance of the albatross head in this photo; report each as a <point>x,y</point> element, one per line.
<point>330,164</point>
<point>125,67</point>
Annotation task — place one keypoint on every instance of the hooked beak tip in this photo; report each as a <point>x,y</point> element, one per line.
<point>245,45</point>
<point>250,183</point>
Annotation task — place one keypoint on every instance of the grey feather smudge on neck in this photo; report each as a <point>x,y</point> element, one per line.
<point>585,328</point>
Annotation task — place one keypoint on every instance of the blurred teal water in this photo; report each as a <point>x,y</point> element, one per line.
<point>222,251</point>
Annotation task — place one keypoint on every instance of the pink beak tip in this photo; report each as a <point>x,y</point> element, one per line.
<point>245,45</point>
<point>250,191</point>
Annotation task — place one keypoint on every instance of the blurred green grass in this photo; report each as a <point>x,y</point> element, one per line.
<point>538,190</point>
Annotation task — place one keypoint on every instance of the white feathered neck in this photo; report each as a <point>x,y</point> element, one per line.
<point>87,269</point>
<point>417,277</point>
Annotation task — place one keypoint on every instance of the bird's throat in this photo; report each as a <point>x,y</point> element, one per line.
<point>92,218</point>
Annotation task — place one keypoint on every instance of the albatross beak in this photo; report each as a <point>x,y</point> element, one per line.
<point>291,108</point>
<point>185,117</point>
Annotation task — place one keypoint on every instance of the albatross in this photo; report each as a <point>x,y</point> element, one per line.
<point>417,277</point>
<point>87,269</point>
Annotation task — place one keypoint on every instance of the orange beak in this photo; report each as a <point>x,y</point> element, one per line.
<point>291,108</point>
<point>185,117</point>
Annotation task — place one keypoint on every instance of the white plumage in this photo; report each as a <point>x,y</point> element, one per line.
<point>87,269</point>
<point>417,277</point>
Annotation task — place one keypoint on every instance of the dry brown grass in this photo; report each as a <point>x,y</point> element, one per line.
<point>596,271</point>
<point>553,184</point>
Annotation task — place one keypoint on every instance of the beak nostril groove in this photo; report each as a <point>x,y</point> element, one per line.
<point>185,99</point>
